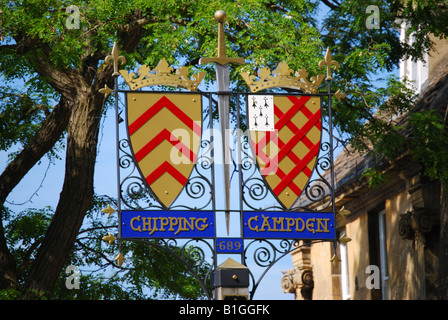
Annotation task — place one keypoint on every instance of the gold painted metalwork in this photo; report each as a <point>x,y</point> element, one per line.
<point>120,258</point>
<point>340,95</point>
<point>115,58</point>
<point>222,59</point>
<point>109,210</point>
<point>109,238</point>
<point>286,157</point>
<point>165,134</point>
<point>106,91</point>
<point>335,260</point>
<point>162,75</point>
<point>328,62</point>
<point>344,239</point>
<point>344,212</point>
<point>282,77</point>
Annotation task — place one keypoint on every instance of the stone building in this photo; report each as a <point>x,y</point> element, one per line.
<point>394,229</point>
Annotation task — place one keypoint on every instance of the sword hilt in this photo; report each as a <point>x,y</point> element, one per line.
<point>222,59</point>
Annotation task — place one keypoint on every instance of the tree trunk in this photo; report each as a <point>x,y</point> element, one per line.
<point>443,240</point>
<point>48,134</point>
<point>76,195</point>
<point>8,271</point>
<point>443,245</point>
<point>45,138</point>
<point>83,103</point>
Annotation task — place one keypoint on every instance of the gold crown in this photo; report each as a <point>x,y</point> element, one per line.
<point>283,77</point>
<point>162,75</point>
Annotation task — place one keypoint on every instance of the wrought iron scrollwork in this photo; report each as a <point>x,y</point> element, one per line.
<point>255,190</point>
<point>199,194</point>
<point>319,188</point>
<point>266,253</point>
<point>257,195</point>
<point>134,193</point>
<point>199,188</point>
<point>192,253</point>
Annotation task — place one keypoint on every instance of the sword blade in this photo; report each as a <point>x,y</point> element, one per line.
<point>223,83</point>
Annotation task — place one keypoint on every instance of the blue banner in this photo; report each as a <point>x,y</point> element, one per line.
<point>229,245</point>
<point>167,224</point>
<point>289,225</point>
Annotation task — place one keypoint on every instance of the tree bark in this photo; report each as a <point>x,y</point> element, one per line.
<point>76,195</point>
<point>443,239</point>
<point>8,271</point>
<point>443,245</point>
<point>48,134</point>
<point>45,138</point>
<point>79,89</point>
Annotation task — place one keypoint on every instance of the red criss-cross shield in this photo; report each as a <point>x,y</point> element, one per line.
<point>287,151</point>
<point>165,133</point>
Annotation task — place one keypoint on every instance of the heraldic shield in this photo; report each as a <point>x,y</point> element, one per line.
<point>165,133</point>
<point>287,150</point>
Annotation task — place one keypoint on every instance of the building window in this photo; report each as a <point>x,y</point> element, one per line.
<point>345,287</point>
<point>378,251</point>
<point>383,255</point>
<point>415,71</point>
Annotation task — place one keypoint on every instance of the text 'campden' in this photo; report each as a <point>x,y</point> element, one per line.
<point>281,224</point>
<point>299,225</point>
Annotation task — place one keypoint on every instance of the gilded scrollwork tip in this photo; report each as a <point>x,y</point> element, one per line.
<point>106,91</point>
<point>340,95</point>
<point>328,62</point>
<point>109,210</point>
<point>120,258</point>
<point>109,238</point>
<point>115,58</point>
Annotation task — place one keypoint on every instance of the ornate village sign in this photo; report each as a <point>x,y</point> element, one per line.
<point>224,191</point>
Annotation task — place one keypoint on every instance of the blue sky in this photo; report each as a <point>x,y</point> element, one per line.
<point>42,185</point>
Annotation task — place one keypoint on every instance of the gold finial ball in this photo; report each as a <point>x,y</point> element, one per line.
<point>220,16</point>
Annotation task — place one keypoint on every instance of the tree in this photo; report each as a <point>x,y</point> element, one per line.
<point>143,276</point>
<point>63,68</point>
<point>370,115</point>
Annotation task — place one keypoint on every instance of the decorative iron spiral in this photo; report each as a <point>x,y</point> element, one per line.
<point>125,160</point>
<point>263,256</point>
<point>195,187</point>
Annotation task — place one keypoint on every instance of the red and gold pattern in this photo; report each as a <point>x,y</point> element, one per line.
<point>165,133</point>
<point>287,155</point>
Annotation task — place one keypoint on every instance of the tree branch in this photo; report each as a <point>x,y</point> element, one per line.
<point>331,5</point>
<point>45,138</point>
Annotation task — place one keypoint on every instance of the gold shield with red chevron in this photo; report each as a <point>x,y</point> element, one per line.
<point>165,133</point>
<point>287,155</point>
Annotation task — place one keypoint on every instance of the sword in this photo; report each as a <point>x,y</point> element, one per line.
<point>222,78</point>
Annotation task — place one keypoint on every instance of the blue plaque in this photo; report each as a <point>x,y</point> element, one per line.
<point>289,225</point>
<point>167,224</point>
<point>229,245</point>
